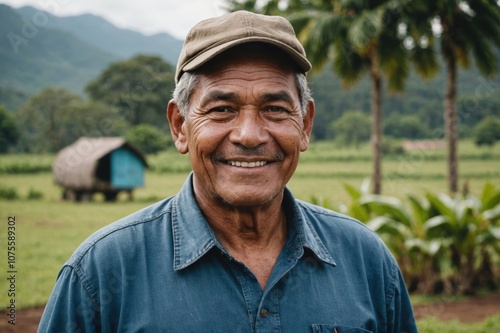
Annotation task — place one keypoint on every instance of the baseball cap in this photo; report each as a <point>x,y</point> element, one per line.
<point>213,36</point>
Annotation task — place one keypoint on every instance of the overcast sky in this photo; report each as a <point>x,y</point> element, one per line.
<point>175,17</point>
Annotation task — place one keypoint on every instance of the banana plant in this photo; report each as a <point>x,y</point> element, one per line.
<point>442,242</point>
<point>471,225</point>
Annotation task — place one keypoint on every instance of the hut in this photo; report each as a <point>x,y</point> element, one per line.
<point>99,165</point>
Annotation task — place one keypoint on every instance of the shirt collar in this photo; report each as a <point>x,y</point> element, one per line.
<point>193,236</point>
<point>301,233</point>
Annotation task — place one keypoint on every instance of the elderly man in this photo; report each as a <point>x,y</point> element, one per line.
<point>233,251</point>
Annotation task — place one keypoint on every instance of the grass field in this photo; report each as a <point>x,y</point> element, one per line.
<point>48,230</point>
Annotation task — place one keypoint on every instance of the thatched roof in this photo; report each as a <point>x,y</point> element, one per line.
<point>76,164</point>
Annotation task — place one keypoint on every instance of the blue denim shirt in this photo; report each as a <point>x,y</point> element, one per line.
<point>162,269</point>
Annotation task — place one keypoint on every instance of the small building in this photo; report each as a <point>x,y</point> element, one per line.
<point>99,165</point>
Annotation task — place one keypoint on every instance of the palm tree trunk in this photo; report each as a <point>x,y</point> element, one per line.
<point>376,112</point>
<point>450,121</point>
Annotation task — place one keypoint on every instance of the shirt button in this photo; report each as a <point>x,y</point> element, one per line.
<point>264,313</point>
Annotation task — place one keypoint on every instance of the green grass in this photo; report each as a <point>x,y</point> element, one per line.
<point>434,325</point>
<point>49,230</point>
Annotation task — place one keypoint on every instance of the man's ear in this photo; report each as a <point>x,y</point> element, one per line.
<point>308,124</point>
<point>176,121</point>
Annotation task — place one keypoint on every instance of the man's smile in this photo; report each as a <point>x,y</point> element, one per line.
<point>243,164</point>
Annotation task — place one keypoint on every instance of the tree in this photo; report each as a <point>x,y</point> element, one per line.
<point>467,29</point>
<point>352,128</point>
<point>359,38</point>
<point>41,119</point>
<point>55,118</point>
<point>405,126</point>
<point>139,88</point>
<point>487,131</point>
<point>148,139</point>
<point>9,134</point>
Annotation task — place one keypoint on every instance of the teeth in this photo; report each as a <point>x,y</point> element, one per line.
<point>247,164</point>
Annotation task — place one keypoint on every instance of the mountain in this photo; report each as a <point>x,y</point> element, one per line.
<point>38,49</point>
<point>100,33</point>
<point>32,56</point>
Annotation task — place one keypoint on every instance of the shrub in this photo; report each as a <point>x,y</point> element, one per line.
<point>34,194</point>
<point>8,193</point>
<point>442,242</point>
<point>148,138</point>
<point>486,132</point>
<point>352,128</point>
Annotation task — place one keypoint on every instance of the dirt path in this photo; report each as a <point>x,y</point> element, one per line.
<point>469,310</point>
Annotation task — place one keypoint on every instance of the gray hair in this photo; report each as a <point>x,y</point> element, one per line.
<point>189,80</point>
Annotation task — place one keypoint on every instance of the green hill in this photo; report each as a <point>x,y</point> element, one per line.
<point>100,33</point>
<point>32,57</point>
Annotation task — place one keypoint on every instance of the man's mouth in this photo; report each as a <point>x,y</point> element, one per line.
<point>247,164</point>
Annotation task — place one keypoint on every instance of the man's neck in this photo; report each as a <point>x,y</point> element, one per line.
<point>252,235</point>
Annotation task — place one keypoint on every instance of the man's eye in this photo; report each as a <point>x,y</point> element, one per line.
<point>220,109</point>
<point>276,109</point>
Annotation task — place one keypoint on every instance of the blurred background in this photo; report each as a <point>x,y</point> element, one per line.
<point>405,138</point>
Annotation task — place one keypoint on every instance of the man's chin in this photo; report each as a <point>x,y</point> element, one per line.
<point>248,199</point>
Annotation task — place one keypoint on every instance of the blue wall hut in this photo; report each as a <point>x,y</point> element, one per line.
<point>99,165</point>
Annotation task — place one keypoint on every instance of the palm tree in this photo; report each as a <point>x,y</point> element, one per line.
<point>466,29</point>
<point>362,38</point>
<point>358,38</point>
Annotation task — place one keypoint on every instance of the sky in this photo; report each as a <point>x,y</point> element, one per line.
<point>175,17</point>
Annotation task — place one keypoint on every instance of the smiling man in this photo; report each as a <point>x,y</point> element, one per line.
<point>234,251</point>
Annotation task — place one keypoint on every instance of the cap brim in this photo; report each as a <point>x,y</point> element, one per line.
<point>209,54</point>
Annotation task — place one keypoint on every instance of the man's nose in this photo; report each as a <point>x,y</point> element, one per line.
<point>249,130</point>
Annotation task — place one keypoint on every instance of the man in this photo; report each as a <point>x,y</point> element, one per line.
<point>234,251</point>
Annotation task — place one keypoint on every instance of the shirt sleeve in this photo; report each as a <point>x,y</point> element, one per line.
<point>400,311</point>
<point>70,308</point>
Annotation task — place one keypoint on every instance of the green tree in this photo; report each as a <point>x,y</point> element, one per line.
<point>55,118</point>
<point>358,38</point>
<point>9,134</point>
<point>139,88</point>
<point>41,119</point>
<point>405,126</point>
<point>468,29</point>
<point>148,139</point>
<point>352,128</point>
<point>363,38</point>
<point>487,131</point>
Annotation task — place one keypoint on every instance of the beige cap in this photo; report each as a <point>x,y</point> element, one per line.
<point>211,37</point>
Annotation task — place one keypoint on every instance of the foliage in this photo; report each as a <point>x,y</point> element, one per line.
<point>392,146</point>
<point>12,99</point>
<point>352,128</point>
<point>442,243</point>
<point>8,193</point>
<point>405,126</point>
<point>34,194</point>
<point>41,119</point>
<point>9,133</point>
<point>148,139</point>
<point>469,30</point>
<point>55,118</point>
<point>138,88</point>
<point>487,131</point>
<point>19,164</point>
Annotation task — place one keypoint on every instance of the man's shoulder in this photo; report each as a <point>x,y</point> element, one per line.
<point>119,234</point>
<point>339,230</point>
<point>332,220</point>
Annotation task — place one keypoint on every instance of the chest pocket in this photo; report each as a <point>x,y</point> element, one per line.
<point>317,328</point>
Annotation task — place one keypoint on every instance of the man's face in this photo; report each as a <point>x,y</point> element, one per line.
<point>244,130</point>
